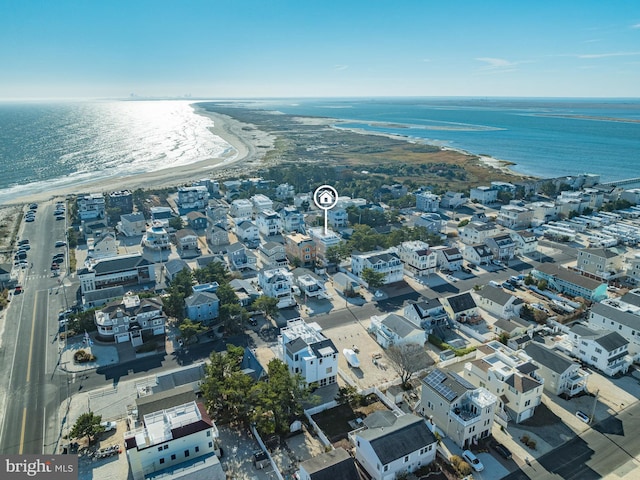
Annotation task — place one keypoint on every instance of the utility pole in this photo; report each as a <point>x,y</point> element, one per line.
<point>593,410</point>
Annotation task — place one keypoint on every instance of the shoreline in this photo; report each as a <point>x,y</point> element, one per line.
<point>242,147</point>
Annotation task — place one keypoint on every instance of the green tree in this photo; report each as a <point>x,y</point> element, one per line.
<point>337,253</point>
<point>180,288</point>
<point>266,305</point>
<point>176,223</point>
<point>505,197</point>
<point>348,395</point>
<point>542,284</point>
<point>374,279</point>
<point>72,238</point>
<point>548,189</point>
<point>529,280</point>
<point>87,425</point>
<point>189,329</point>
<point>212,272</point>
<point>232,318</point>
<point>463,223</point>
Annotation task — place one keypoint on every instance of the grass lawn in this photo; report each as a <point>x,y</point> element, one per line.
<point>335,421</point>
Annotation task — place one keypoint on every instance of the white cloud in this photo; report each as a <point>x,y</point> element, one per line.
<point>340,67</point>
<point>636,26</point>
<point>492,63</point>
<point>606,55</point>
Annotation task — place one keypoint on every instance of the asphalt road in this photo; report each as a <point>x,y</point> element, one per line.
<point>33,392</point>
<point>611,447</point>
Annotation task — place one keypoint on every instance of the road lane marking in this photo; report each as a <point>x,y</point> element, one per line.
<point>24,426</point>
<point>33,333</point>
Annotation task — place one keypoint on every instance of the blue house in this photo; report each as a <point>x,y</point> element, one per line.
<point>202,307</point>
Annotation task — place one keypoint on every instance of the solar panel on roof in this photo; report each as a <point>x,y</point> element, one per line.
<point>461,380</point>
<point>435,378</point>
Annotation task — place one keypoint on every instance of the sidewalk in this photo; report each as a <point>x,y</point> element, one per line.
<point>105,355</point>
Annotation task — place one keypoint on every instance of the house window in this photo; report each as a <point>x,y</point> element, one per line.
<point>329,369</point>
<point>598,350</point>
<point>165,447</point>
<point>161,461</point>
<point>406,459</point>
<point>186,453</point>
<point>197,448</point>
<point>160,448</point>
<point>208,433</point>
<point>358,442</point>
<point>594,359</point>
<point>173,456</point>
<point>210,444</point>
<point>527,403</point>
<point>386,468</point>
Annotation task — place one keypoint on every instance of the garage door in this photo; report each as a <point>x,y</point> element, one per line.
<point>122,337</point>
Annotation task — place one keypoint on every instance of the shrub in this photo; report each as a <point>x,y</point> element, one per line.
<point>82,356</point>
<point>524,439</point>
<point>531,444</point>
<point>460,465</point>
<point>464,469</point>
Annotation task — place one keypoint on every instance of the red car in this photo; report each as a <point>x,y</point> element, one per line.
<point>18,289</point>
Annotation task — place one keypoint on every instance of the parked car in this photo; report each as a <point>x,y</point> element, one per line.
<point>472,266</point>
<point>24,241</point>
<point>18,289</point>
<point>502,450</point>
<point>475,463</point>
<point>583,416</point>
<point>108,426</point>
<point>508,286</point>
<point>60,243</point>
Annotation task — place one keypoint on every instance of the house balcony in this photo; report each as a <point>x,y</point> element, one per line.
<point>577,383</point>
<point>464,416</point>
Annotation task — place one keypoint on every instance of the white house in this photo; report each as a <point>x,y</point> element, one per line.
<point>477,254</point>
<point>394,329</point>
<point>323,240</point>
<point>128,319</point>
<point>170,437</point>
<point>261,203</point>
<point>475,233</point>
<point>427,202</point>
<point>510,376</point>
<point>526,242</point>
<point>104,247</point>
<point>603,349</point>
<point>305,350</point>
<point>386,261</point>
<point>186,239</point>
<point>562,376</point>
<point>417,258</point>
<point>291,219</point>
<point>285,191</point>
<point>498,302</point>
<point>462,411</point>
<point>452,200</point>
<point>502,246</point>
<point>90,206</point>
<point>337,217</point>
<point>247,231</point>
<point>621,315</point>
<point>156,237</point>
<point>241,209</point>
<point>269,223</point>
<point>426,314</point>
<point>392,445</point>
<point>278,283</point>
<point>272,255</point>
<point>448,258</point>
<point>132,224</point>
<point>483,194</point>
<point>514,216</point>
<point>194,197</point>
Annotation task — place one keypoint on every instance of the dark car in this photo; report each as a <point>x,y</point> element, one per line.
<point>472,266</point>
<point>58,260</point>
<point>503,451</point>
<point>61,243</point>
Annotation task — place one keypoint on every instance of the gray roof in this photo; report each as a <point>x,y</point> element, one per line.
<point>200,298</point>
<point>400,325</point>
<point>120,264</point>
<point>444,382</point>
<point>495,294</point>
<point>462,302</point>
<point>104,294</point>
<point>522,383</point>
<point>408,434</point>
<point>295,345</point>
<point>133,217</point>
<point>568,276</point>
<point>632,298</point>
<point>601,252</point>
<point>183,376</point>
<point>333,465</point>
<point>205,260</point>
<point>483,250</point>
<point>185,232</point>
<point>510,325</point>
<point>553,360</point>
<point>175,266</point>
<point>622,317</point>
<point>605,338</point>
<point>166,399</point>
<point>240,284</point>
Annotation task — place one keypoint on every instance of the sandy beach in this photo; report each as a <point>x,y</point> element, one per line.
<point>247,146</point>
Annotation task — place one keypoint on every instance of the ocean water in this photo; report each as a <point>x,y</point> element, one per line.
<point>543,137</point>
<point>50,145</point>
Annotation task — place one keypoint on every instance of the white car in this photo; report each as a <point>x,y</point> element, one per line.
<point>475,463</point>
<point>108,426</point>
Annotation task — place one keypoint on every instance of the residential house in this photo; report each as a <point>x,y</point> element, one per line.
<point>386,261</point>
<point>284,191</point>
<point>391,446</point>
<point>261,203</point>
<point>426,314</point>
<point>247,231</point>
<point>217,237</point>
<point>452,200</point>
<point>125,270</point>
<point>484,195</point>
<point>202,306</point>
<point>323,240</point>
<point>431,221</point>
<point>462,411</point>
<point>561,375</point>
<point>91,206</point>
<point>171,437</point>
<point>129,319</point>
<point>337,217</point>
<point>291,220</point>
<point>5,274</point>
<point>97,298</point>
<point>502,246</point>
<point>132,224</point>
<point>241,209</point>
<point>217,212</point>
<point>194,197</point>
<point>173,267</point>
<point>448,258</point>
<point>475,233</point>
<point>504,187</point>
<point>122,200</point>
<point>301,247</point>
<point>417,259</point>
<point>344,284</point>
<point>156,237</point>
<point>231,188</point>
<point>477,254</point>
<point>633,270</point>
<point>621,315</point>
<point>204,260</point>
<point>526,242</point>
<point>277,283</point>
<point>393,329</point>
<point>570,283</point>
<point>241,258</point>
<point>161,215</point>
<point>603,349</point>
<point>510,376</point>
<point>396,190</point>
<point>272,255</point>
<point>601,263</point>
<point>427,202</point>
<point>513,327</point>
<point>197,220</point>
<point>543,212</point>
<point>461,308</point>
<point>268,222</point>
<point>498,302</point>
<point>186,239</point>
<point>514,216</point>
<point>103,247</point>
<point>305,350</point>
<point>245,291</point>
<point>335,464</point>
<point>310,285</point>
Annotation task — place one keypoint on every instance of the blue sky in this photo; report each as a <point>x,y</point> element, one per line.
<point>305,48</point>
